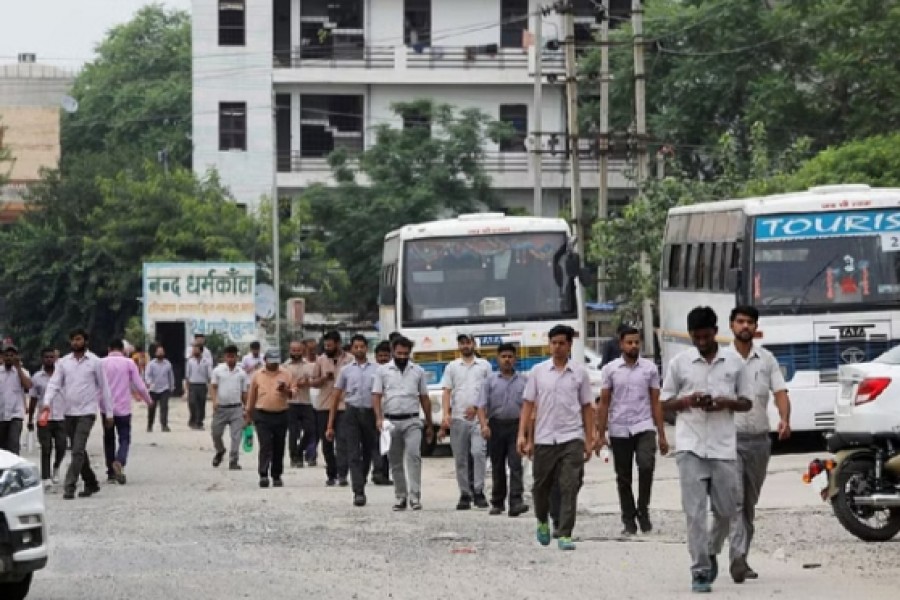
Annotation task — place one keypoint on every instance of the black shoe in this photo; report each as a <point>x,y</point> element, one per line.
<point>739,569</point>
<point>751,574</point>
<point>342,481</point>
<point>359,500</point>
<point>234,466</point>
<point>400,505</point>
<point>644,522</point>
<point>149,430</point>
<point>713,568</point>
<point>496,510</point>
<point>68,496</point>
<point>277,482</point>
<point>330,482</point>
<point>89,490</point>
<point>481,501</point>
<point>701,584</point>
<point>630,528</point>
<point>166,429</point>
<point>263,482</point>
<point>311,463</point>
<point>518,509</point>
<point>111,480</point>
<point>217,459</point>
<point>465,503</point>
<point>415,505</point>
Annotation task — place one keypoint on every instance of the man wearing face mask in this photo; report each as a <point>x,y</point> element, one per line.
<point>328,367</point>
<point>14,385</point>
<point>267,406</point>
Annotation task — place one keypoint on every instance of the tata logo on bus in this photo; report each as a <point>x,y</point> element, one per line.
<point>852,332</point>
<point>817,225</point>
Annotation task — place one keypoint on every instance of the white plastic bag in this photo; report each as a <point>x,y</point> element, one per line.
<point>386,429</point>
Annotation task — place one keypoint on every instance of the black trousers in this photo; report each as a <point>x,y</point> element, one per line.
<point>271,431</point>
<point>362,440</point>
<point>50,436</point>
<point>302,432</point>
<point>336,465</point>
<point>502,451</point>
<point>197,404</point>
<point>78,429</point>
<point>161,400</point>
<point>562,463</point>
<point>640,448</point>
<point>11,435</point>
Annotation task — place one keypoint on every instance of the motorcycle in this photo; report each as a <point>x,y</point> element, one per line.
<point>862,483</point>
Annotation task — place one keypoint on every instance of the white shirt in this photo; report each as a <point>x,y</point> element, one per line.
<point>230,384</point>
<point>464,380</point>
<point>82,384</point>
<point>251,363</point>
<point>762,370</point>
<point>706,434</point>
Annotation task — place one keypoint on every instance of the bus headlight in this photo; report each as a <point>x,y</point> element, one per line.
<point>19,478</point>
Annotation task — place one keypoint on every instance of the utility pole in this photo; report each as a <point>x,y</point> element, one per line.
<point>276,245</point>
<point>643,159</point>
<point>572,122</point>
<point>537,157</point>
<point>603,146</point>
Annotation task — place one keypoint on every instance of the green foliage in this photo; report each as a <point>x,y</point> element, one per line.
<point>412,175</point>
<point>135,98</point>
<point>6,158</point>
<point>135,333</point>
<point>75,257</point>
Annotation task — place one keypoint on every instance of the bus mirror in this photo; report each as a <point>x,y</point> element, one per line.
<point>587,276</point>
<point>573,265</point>
<point>388,295</point>
<point>733,280</point>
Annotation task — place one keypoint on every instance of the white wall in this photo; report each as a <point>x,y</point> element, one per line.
<point>234,74</point>
<point>385,22</point>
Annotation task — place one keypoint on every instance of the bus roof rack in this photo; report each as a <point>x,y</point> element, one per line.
<point>839,189</point>
<point>480,216</point>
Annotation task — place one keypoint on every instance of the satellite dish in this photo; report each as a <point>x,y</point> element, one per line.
<point>69,104</point>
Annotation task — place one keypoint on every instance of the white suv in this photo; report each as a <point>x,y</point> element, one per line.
<point>23,533</point>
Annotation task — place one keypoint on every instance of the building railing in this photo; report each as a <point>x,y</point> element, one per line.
<point>351,55</point>
<point>493,162</point>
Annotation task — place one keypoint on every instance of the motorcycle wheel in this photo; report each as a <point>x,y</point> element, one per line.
<point>868,523</point>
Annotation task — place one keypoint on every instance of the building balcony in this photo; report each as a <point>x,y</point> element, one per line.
<point>355,63</point>
<point>508,170</point>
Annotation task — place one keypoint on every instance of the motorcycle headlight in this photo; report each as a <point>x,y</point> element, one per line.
<point>19,478</point>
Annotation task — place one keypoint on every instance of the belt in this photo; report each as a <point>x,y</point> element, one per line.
<point>402,417</point>
<point>192,383</point>
<point>349,406</point>
<point>229,405</point>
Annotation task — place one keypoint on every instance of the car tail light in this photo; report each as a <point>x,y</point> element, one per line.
<point>869,389</point>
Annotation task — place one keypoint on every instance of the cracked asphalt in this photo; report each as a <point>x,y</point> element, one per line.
<point>182,530</point>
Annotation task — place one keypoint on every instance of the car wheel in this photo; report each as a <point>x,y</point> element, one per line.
<point>15,590</point>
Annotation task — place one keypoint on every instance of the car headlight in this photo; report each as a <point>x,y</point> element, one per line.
<point>19,478</point>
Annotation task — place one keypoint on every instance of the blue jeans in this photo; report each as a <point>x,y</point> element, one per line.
<point>122,427</point>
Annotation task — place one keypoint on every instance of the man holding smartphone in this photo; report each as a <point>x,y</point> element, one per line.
<point>707,386</point>
<point>267,406</point>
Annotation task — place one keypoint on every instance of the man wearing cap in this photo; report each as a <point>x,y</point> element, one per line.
<point>14,385</point>
<point>462,383</point>
<point>267,409</point>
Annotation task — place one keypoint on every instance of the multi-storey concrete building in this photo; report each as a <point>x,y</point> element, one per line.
<point>279,84</point>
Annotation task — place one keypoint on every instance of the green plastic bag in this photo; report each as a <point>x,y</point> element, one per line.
<point>248,438</point>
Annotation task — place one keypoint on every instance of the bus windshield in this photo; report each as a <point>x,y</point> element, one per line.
<point>791,273</point>
<point>485,278</point>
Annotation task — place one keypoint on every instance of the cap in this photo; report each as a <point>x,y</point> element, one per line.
<point>273,355</point>
<point>465,337</point>
<point>10,346</point>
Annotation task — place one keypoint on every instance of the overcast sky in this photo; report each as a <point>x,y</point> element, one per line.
<point>63,32</point>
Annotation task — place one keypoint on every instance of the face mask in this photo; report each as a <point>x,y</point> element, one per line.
<point>401,363</point>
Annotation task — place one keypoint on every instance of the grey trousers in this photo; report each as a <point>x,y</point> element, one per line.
<point>406,458</point>
<point>79,430</point>
<point>233,417</point>
<point>753,452</point>
<point>703,478</point>
<point>466,440</point>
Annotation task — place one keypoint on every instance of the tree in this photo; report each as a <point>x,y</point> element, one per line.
<point>6,158</point>
<point>74,258</point>
<point>818,69</point>
<point>135,98</point>
<point>412,175</point>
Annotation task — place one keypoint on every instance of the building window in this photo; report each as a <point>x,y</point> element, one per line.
<point>417,22</point>
<point>329,123</point>
<point>232,22</point>
<point>515,115</point>
<point>514,18</point>
<point>233,126</point>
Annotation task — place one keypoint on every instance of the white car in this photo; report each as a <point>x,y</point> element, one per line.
<point>869,398</point>
<point>23,533</point>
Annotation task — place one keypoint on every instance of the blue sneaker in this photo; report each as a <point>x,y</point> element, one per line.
<point>543,534</point>
<point>701,585</point>
<point>566,543</point>
<point>713,568</point>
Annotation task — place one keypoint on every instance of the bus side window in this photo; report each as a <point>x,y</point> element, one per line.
<point>700,273</point>
<point>689,267</point>
<point>718,267</point>
<point>674,266</point>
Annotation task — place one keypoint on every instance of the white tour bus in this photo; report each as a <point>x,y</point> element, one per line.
<point>822,267</point>
<point>498,278</point>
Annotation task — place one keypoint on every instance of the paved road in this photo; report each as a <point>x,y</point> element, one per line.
<point>181,529</point>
